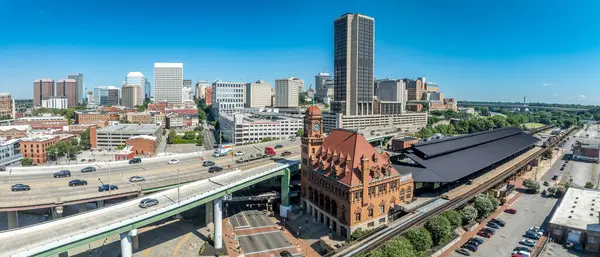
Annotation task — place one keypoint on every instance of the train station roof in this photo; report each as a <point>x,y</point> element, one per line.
<point>449,159</point>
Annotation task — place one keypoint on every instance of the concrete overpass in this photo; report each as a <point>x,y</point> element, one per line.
<point>58,236</point>
<point>521,106</point>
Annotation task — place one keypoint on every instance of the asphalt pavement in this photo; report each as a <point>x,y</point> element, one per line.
<point>263,242</point>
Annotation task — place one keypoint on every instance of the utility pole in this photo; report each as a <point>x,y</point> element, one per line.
<point>178,185</point>
<point>109,186</point>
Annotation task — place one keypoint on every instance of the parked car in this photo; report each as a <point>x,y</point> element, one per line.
<point>278,146</point>
<point>292,139</point>
<point>471,247</point>
<point>554,177</point>
<point>136,179</point>
<point>511,211</point>
<point>473,242</point>
<point>88,169</point>
<point>492,224</point>
<point>20,187</point>
<point>83,160</point>
<point>208,163</point>
<point>562,168</point>
<point>523,253</point>
<point>532,235</point>
<point>463,251</point>
<point>285,254</point>
<point>135,160</point>
<point>215,169</point>
<point>286,153</point>
<point>62,174</point>
<point>499,222</point>
<point>484,234</point>
<point>521,248</point>
<point>148,202</point>
<point>77,182</point>
<point>489,230</point>
<point>515,255</point>
<point>477,239</point>
<point>173,161</point>
<point>527,242</point>
<point>239,153</point>
<point>107,187</point>
<point>537,229</point>
<point>546,183</point>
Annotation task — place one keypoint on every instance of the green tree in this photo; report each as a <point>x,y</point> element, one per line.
<point>52,151</point>
<point>495,202</point>
<point>189,135</point>
<point>120,147</point>
<point>531,185</point>
<point>552,191</point>
<point>454,218</point>
<point>483,205</point>
<point>200,139</point>
<point>440,229</point>
<point>26,162</point>
<point>74,141</point>
<point>468,213</point>
<point>267,139</point>
<point>589,185</point>
<point>171,137</point>
<point>420,238</point>
<point>359,233</point>
<point>326,106</point>
<point>398,247</point>
<point>547,154</point>
<point>300,132</point>
<point>84,139</point>
<point>201,114</point>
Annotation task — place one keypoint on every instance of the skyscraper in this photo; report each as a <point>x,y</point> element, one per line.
<point>79,89</point>
<point>201,87</point>
<point>68,88</point>
<point>322,82</point>
<point>137,78</point>
<point>227,97</point>
<point>42,89</point>
<point>148,89</point>
<point>354,39</point>
<point>258,94</point>
<point>168,82</point>
<point>106,95</point>
<point>131,95</point>
<point>287,92</point>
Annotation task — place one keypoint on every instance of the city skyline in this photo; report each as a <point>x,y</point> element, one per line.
<point>547,60</point>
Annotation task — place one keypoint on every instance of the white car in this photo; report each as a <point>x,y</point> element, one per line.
<point>523,253</point>
<point>173,161</point>
<point>239,153</point>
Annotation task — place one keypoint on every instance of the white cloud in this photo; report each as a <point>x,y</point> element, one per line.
<point>581,97</point>
<point>555,94</point>
<point>546,84</point>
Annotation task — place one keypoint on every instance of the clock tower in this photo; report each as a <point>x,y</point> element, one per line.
<point>312,138</point>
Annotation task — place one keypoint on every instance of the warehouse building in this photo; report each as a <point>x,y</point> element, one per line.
<point>575,221</point>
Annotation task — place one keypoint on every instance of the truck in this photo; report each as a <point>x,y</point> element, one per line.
<point>268,152</point>
<point>221,152</point>
<point>225,146</point>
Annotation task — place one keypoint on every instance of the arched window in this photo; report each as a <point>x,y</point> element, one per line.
<point>402,194</point>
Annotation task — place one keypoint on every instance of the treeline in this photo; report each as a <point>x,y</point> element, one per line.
<point>575,106</point>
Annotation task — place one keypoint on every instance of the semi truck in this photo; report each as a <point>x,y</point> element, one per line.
<point>268,152</point>
<point>221,152</point>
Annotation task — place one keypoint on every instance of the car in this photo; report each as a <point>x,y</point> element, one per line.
<point>148,202</point>
<point>499,222</point>
<point>567,161</point>
<point>20,187</point>
<point>511,211</point>
<point>208,163</point>
<point>515,255</point>
<point>489,230</point>
<point>477,239</point>
<point>215,169</point>
<point>463,251</point>
<point>135,160</point>
<point>77,182</point>
<point>136,179</point>
<point>471,247</point>
<point>90,160</point>
<point>285,254</point>
<point>473,242</point>
<point>82,160</point>
<point>239,153</point>
<point>286,153</point>
<point>292,139</point>
<point>522,253</point>
<point>555,177</point>
<point>527,242</point>
<point>62,174</point>
<point>484,234</point>
<point>546,183</point>
<point>88,169</point>
<point>544,192</point>
<point>173,161</point>
<point>492,224</point>
<point>532,234</point>
<point>521,248</point>
<point>562,168</point>
<point>107,187</point>
<point>278,146</point>
<point>537,229</point>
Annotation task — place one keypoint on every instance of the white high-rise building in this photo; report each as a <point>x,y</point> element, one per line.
<point>227,96</point>
<point>168,82</point>
<point>186,94</point>
<point>287,92</point>
<point>55,103</point>
<point>201,89</point>
<point>137,78</point>
<point>258,94</point>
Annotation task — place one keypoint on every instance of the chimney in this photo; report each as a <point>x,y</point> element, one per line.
<point>365,170</point>
<point>93,137</point>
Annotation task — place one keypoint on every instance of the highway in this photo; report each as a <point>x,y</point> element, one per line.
<point>47,191</point>
<point>76,229</point>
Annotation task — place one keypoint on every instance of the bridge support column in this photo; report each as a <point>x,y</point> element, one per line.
<point>135,239</point>
<point>285,206</point>
<point>82,207</point>
<point>100,204</point>
<point>218,220</point>
<point>57,212</point>
<point>209,216</point>
<point>13,219</point>
<point>126,240</point>
<point>63,254</point>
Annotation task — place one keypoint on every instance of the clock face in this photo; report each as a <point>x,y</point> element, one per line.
<point>315,127</point>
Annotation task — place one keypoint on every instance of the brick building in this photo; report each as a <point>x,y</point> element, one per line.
<point>95,117</point>
<point>403,143</point>
<point>158,106</point>
<point>5,105</point>
<point>43,122</point>
<point>346,184</point>
<point>35,147</point>
<point>138,117</point>
<point>15,131</point>
<point>145,145</point>
<point>208,96</point>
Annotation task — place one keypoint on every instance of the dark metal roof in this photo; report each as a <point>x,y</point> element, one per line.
<point>461,156</point>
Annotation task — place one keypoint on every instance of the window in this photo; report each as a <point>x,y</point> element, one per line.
<point>382,220</point>
<point>382,189</point>
<point>381,209</point>
<point>357,217</point>
<point>370,213</point>
<point>371,191</point>
<point>393,186</point>
<point>371,224</point>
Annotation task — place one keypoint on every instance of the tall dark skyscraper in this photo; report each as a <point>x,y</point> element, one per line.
<point>354,40</point>
<point>79,89</point>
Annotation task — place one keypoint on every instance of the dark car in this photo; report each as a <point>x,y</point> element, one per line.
<point>215,169</point>
<point>20,187</point>
<point>77,182</point>
<point>88,169</point>
<point>285,254</point>
<point>62,174</point>
<point>107,187</point>
<point>511,211</point>
<point>208,163</point>
<point>473,242</point>
<point>492,224</point>
<point>286,153</point>
<point>135,160</point>
<point>278,146</point>
<point>554,177</point>
<point>463,251</point>
<point>484,234</point>
<point>521,248</point>
<point>489,230</point>
<point>562,168</point>
<point>470,247</point>
<point>148,202</point>
<point>499,222</point>
<point>477,239</point>
<point>82,160</point>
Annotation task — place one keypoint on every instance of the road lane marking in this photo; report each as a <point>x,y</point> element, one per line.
<point>260,233</point>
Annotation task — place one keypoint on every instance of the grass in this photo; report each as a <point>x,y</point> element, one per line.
<point>183,141</point>
<point>533,125</point>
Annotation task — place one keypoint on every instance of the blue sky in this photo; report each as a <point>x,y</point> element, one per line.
<point>476,50</point>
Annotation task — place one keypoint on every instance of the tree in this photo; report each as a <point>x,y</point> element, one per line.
<point>201,114</point>
<point>84,140</point>
<point>359,233</point>
<point>494,201</point>
<point>454,218</point>
<point>74,141</point>
<point>531,185</point>
<point>440,229</point>
<point>200,139</point>
<point>468,213</point>
<point>171,137</point>
<point>560,191</point>
<point>398,247</point>
<point>120,147</point>
<point>267,139</point>
<point>483,205</point>
<point>26,162</point>
<point>552,191</point>
<point>589,185</point>
<point>189,135</point>
<point>548,154</point>
<point>300,132</point>
<point>420,238</point>
<point>326,106</point>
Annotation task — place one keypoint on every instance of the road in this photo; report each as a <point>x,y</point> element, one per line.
<point>47,190</point>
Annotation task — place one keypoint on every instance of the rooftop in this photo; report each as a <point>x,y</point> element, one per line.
<point>42,118</point>
<point>262,117</point>
<point>135,74</point>
<point>153,138</point>
<point>17,127</point>
<point>579,209</point>
<point>38,138</point>
<point>168,65</point>
<point>131,128</point>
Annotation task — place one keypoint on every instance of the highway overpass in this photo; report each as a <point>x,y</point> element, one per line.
<point>521,106</point>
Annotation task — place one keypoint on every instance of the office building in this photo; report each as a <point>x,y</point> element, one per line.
<point>409,121</point>
<point>247,128</point>
<point>68,89</point>
<point>168,82</point>
<point>35,147</point>
<point>84,117</point>
<point>14,131</point>
<point>346,184</point>
<point>56,103</point>
<point>208,96</point>
<point>287,92</point>
<point>323,85</point>
<point>131,95</point>
<point>79,89</point>
<point>586,150</point>
<point>10,151</point>
<point>258,94</point>
<point>201,87</point>
<point>354,39</point>
<point>145,145</point>
<point>187,83</point>
<point>391,90</point>
<point>6,107</point>
<point>148,90</point>
<point>174,120</point>
<point>42,89</point>
<point>117,135</point>
<point>186,94</point>
<point>106,95</point>
<point>138,117</point>
<point>22,105</point>
<point>432,96</point>
<point>137,78</point>
<point>227,96</point>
